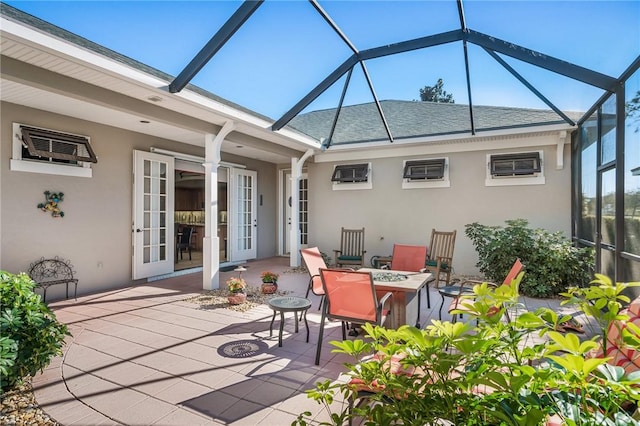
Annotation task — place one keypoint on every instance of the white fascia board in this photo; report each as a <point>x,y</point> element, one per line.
<point>535,137</point>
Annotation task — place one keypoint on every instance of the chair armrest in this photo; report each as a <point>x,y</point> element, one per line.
<point>388,297</point>
<point>469,284</point>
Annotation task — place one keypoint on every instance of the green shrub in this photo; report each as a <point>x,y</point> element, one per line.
<point>552,263</point>
<point>488,371</point>
<point>30,334</point>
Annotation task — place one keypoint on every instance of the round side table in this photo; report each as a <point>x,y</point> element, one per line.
<point>289,304</point>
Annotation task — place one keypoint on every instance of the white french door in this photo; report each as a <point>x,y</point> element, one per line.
<point>303,218</point>
<point>153,211</point>
<point>243,211</point>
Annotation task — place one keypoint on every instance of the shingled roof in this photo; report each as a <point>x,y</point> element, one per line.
<point>412,119</point>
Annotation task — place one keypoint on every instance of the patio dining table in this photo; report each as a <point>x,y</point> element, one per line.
<point>405,287</point>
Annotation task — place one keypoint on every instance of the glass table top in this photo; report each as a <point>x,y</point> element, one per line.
<point>289,303</point>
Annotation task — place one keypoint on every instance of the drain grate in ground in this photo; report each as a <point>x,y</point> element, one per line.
<point>242,349</point>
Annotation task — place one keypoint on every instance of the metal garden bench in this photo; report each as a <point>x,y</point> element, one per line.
<point>49,272</point>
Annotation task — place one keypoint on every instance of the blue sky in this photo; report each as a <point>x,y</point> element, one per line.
<point>286,48</point>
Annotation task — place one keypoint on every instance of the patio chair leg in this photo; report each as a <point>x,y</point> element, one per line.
<point>319,346</point>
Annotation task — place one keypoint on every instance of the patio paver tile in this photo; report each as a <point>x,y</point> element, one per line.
<point>210,404</point>
<point>172,364</point>
<point>270,394</point>
<point>181,416</point>
<point>181,390</point>
<point>125,373</point>
<point>117,403</point>
<point>246,413</point>
<point>83,416</point>
<point>146,412</point>
<point>277,417</point>
<point>155,383</point>
<point>210,377</point>
<point>87,359</point>
<point>239,385</point>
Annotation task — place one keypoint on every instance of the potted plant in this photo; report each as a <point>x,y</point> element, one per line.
<point>237,294</point>
<point>269,282</point>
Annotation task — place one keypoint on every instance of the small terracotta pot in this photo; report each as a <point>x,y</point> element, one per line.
<point>269,288</point>
<point>236,298</point>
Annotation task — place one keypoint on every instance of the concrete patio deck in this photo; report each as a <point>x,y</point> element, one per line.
<point>143,355</point>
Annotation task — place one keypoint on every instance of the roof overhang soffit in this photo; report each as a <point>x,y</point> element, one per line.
<point>22,72</point>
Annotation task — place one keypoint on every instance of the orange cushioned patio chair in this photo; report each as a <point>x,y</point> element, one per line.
<point>466,287</point>
<point>313,260</point>
<point>408,258</point>
<point>350,296</point>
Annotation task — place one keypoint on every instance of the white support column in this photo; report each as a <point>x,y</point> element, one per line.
<point>562,136</point>
<point>211,241</point>
<point>294,234</point>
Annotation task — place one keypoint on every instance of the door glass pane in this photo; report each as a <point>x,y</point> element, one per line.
<point>609,130</point>
<point>155,186</point>
<point>155,206</point>
<point>608,220</point>
<point>245,221</point>
<point>303,194</point>
<point>632,168</point>
<point>589,136</point>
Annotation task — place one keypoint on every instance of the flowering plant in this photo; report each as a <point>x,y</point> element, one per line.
<point>236,285</point>
<point>269,277</point>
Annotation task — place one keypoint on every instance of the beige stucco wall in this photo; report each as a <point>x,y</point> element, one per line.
<point>95,233</point>
<point>393,215</point>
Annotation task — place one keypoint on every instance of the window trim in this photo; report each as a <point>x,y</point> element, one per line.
<point>82,169</point>
<point>441,182</point>
<point>534,176</point>
<point>341,184</point>
<point>535,155</point>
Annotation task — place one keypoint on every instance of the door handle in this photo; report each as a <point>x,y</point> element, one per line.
<point>138,230</point>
